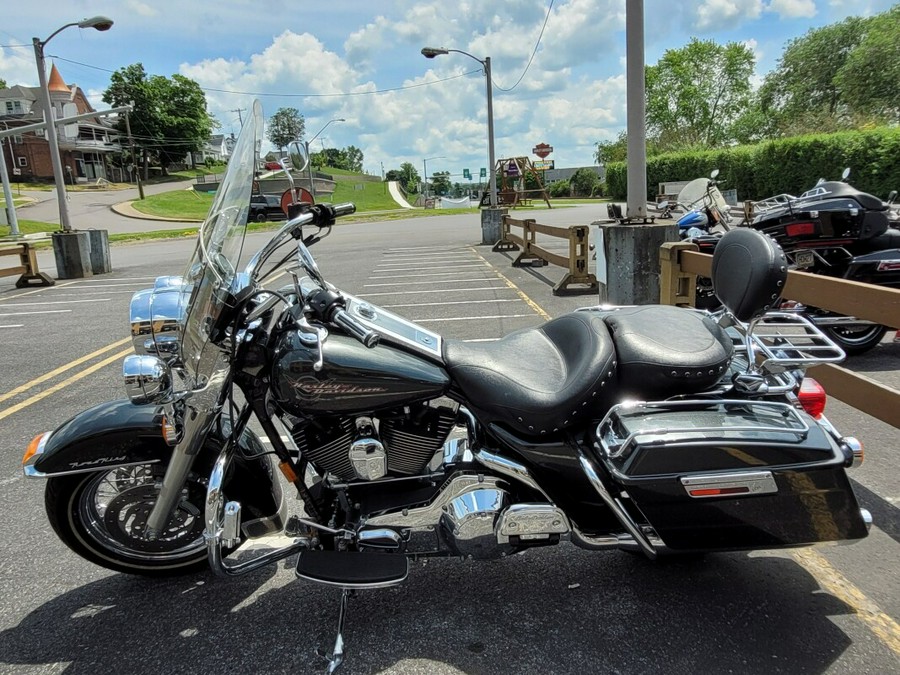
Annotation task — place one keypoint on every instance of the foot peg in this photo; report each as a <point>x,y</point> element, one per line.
<point>352,570</point>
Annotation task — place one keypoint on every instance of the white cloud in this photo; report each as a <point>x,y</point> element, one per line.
<point>719,14</point>
<point>792,9</point>
<point>141,8</point>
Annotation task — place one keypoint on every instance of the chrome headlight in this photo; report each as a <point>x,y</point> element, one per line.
<point>156,316</point>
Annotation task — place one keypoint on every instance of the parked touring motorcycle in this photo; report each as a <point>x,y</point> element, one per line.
<point>832,229</point>
<point>836,230</point>
<point>597,428</point>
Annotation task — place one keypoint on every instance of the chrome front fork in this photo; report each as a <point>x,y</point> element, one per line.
<point>195,427</point>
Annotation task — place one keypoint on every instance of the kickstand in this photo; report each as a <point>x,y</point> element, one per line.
<point>337,655</point>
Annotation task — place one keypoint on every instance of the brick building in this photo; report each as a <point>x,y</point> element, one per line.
<point>86,147</point>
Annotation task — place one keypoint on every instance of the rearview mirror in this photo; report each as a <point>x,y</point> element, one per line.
<point>714,174</point>
<point>298,156</point>
<point>846,174</point>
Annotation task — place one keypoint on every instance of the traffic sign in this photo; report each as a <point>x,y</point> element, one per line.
<point>482,173</point>
<point>466,174</point>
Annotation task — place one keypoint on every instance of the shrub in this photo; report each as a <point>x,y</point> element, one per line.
<point>790,165</point>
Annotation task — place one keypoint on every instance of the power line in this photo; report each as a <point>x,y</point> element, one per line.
<point>533,52</point>
<point>283,95</point>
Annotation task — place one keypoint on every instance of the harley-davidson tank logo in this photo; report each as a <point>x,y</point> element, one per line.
<point>315,388</point>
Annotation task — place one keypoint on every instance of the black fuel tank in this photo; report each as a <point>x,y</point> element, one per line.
<point>353,378</point>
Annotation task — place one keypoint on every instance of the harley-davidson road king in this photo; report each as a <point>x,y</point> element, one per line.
<point>656,430</point>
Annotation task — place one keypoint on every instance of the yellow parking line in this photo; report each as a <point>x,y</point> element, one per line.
<point>53,373</point>
<point>883,626</point>
<point>65,383</point>
<point>528,301</point>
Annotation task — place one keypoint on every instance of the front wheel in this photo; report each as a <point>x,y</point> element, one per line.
<point>856,339</point>
<point>102,517</point>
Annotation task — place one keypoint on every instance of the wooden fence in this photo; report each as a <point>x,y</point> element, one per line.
<point>576,262</point>
<point>27,269</point>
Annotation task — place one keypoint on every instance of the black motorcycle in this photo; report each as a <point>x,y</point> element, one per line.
<point>836,230</point>
<point>650,429</point>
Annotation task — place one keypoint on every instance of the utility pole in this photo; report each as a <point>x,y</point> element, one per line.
<point>137,169</point>
<point>240,119</point>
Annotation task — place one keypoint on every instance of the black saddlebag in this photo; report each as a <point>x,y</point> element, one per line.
<point>720,475</point>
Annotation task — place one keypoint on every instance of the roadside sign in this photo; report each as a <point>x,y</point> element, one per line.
<point>512,169</point>
<point>544,164</point>
<point>542,150</point>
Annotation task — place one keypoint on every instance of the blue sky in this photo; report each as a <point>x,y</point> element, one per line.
<point>360,60</point>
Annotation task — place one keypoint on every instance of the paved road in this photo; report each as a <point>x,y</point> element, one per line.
<point>559,610</point>
<point>93,209</point>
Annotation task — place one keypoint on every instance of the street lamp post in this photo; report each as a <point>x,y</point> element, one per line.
<point>425,176</point>
<point>490,220</point>
<point>100,23</point>
<point>430,53</point>
<point>309,174</point>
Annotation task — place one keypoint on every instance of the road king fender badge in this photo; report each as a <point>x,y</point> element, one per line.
<point>742,484</point>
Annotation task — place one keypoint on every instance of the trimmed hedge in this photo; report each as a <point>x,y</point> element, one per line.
<point>791,165</point>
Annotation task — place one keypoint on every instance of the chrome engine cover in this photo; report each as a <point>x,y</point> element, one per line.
<point>468,523</point>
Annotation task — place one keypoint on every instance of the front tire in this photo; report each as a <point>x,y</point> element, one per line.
<point>102,516</point>
<point>856,340</point>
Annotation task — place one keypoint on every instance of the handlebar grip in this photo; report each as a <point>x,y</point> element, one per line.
<point>344,209</point>
<point>368,337</point>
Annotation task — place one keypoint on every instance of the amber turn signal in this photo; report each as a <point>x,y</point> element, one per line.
<point>32,449</point>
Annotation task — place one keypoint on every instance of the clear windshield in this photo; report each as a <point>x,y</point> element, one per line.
<point>212,275</point>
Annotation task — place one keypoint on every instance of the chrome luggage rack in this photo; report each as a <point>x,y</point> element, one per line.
<point>780,341</point>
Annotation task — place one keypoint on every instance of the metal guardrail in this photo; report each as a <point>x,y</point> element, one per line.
<point>681,264</point>
<point>27,268</point>
<point>576,262</point>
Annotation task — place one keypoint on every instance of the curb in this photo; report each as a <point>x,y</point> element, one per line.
<point>126,209</point>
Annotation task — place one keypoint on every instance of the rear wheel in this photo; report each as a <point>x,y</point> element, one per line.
<point>856,339</point>
<point>102,517</point>
<point>260,217</point>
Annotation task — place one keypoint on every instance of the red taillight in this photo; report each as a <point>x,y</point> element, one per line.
<point>799,229</point>
<point>812,397</point>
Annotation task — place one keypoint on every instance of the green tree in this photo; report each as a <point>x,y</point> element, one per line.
<point>169,117</point>
<point>560,188</point>
<point>353,159</point>
<point>2,83</point>
<point>440,183</point>
<point>584,182</point>
<point>802,94</point>
<point>868,79</point>
<point>695,94</point>
<point>286,125</point>
<point>408,177</point>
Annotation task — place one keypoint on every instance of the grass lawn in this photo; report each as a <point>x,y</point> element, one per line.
<point>30,227</point>
<point>178,204</point>
<point>373,196</point>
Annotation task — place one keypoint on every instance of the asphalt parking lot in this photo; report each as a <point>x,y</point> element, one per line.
<point>562,610</point>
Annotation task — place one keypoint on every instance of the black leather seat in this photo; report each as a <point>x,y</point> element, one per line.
<point>539,380</point>
<point>664,351</point>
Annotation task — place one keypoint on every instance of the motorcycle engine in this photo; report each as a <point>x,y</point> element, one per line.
<point>398,442</point>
